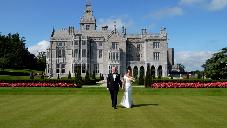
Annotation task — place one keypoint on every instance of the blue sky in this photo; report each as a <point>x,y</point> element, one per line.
<point>196,28</point>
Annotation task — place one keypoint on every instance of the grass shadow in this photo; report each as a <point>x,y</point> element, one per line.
<point>142,105</point>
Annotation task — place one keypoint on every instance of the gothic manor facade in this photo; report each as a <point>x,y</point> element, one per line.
<point>99,50</point>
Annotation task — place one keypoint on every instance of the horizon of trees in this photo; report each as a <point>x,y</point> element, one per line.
<point>216,66</point>
<point>14,54</point>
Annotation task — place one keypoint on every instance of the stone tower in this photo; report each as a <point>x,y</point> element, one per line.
<point>88,21</point>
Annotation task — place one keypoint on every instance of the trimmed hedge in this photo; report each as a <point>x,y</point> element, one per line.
<point>14,73</point>
<point>186,80</point>
<point>50,81</point>
<point>189,83</point>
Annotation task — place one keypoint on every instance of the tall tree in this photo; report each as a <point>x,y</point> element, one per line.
<point>141,77</point>
<point>216,66</point>
<point>14,54</point>
<point>181,67</point>
<point>41,61</point>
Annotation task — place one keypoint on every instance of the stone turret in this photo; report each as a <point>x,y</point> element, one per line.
<point>88,21</point>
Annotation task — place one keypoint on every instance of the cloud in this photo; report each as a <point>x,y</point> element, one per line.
<point>191,2</point>
<point>110,22</point>
<point>192,60</point>
<point>211,5</point>
<point>39,47</point>
<point>216,5</point>
<point>167,12</point>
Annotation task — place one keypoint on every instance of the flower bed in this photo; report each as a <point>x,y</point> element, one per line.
<point>40,84</point>
<point>189,85</point>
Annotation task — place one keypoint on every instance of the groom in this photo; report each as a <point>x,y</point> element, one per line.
<point>113,82</point>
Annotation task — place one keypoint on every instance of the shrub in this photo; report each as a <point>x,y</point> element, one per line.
<point>31,75</point>
<point>93,75</point>
<point>87,78</point>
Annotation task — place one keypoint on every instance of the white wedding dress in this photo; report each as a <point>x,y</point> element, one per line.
<point>127,97</point>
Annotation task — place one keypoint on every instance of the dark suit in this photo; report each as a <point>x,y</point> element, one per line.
<point>113,86</point>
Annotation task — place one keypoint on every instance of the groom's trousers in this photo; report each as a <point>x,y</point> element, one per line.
<point>113,94</point>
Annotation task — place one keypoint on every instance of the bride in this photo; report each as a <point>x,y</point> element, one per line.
<point>127,87</point>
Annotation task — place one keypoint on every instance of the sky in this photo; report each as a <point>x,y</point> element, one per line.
<point>196,28</point>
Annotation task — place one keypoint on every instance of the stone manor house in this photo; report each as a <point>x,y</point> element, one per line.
<point>99,50</point>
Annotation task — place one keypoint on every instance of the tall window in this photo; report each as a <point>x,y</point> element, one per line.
<point>76,53</point>
<point>117,56</point>
<point>63,52</point>
<point>109,55</point>
<point>100,53</point>
<point>113,55</point>
<point>156,44</point>
<point>83,42</point>
<point>83,52</point>
<point>156,55</point>
<point>62,68</point>
<point>60,53</point>
<point>138,47</point>
<point>115,45</point>
<point>76,42</point>
<point>57,68</point>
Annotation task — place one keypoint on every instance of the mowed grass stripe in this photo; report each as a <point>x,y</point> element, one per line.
<point>84,108</point>
<point>190,115</point>
<point>203,113</point>
<point>55,115</point>
<point>152,113</point>
<point>24,115</point>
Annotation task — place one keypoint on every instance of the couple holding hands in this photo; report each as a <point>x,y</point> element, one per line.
<point>113,83</point>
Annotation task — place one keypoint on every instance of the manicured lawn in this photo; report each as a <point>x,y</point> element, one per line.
<point>91,108</point>
<point>15,74</point>
<point>7,77</point>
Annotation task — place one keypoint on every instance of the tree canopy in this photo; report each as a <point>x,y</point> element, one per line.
<point>216,66</point>
<point>14,54</point>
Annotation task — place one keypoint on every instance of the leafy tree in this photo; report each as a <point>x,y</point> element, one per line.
<point>14,54</point>
<point>199,73</point>
<point>3,62</point>
<point>41,61</point>
<point>216,66</point>
<point>181,67</point>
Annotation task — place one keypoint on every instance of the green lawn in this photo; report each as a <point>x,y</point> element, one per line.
<point>91,108</point>
<point>12,74</point>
